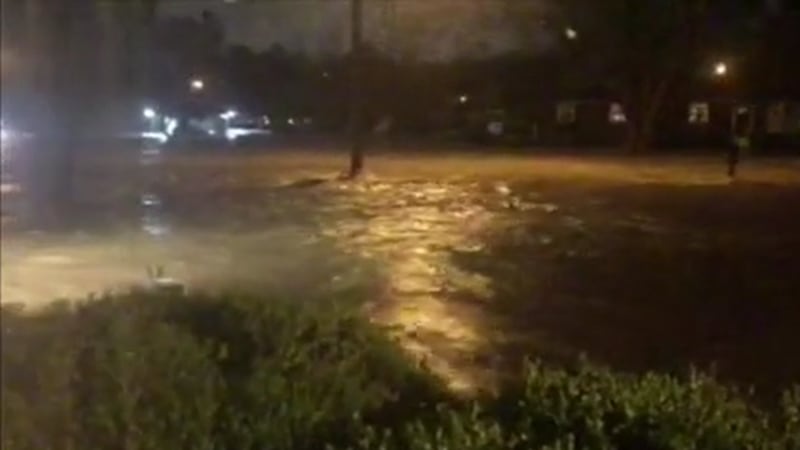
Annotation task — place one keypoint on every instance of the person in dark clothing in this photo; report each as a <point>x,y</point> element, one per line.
<point>741,130</point>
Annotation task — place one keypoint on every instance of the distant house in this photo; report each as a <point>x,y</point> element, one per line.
<point>581,122</point>
<point>690,121</point>
<point>781,125</point>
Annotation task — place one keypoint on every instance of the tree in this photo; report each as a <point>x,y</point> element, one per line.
<point>356,94</point>
<point>184,48</point>
<point>193,44</point>
<point>638,49</point>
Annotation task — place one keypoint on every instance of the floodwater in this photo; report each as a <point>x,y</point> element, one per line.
<point>289,232</point>
<point>469,269</point>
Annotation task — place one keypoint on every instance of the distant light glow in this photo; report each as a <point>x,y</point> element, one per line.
<point>463,99</point>
<point>157,135</point>
<point>197,84</point>
<point>571,33</point>
<point>149,113</point>
<point>4,143</point>
<point>720,69</point>
<point>265,120</point>
<point>150,199</point>
<point>229,114</point>
<point>616,113</point>
<point>495,128</point>
<point>291,121</point>
<point>170,125</point>
<point>233,134</point>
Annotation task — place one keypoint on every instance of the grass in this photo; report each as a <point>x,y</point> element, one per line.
<point>157,370</point>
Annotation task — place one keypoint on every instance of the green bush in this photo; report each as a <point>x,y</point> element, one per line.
<point>598,409</point>
<point>158,371</point>
<point>149,371</point>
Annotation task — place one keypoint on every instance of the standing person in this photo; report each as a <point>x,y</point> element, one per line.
<point>742,130</point>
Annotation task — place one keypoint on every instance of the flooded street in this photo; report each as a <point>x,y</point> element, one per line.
<point>475,262</point>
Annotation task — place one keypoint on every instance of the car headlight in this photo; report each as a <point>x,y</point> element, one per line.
<point>5,137</point>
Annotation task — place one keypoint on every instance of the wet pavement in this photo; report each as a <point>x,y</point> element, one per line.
<point>477,266</point>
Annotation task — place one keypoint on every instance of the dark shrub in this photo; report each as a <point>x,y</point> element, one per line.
<point>157,371</point>
<point>162,371</point>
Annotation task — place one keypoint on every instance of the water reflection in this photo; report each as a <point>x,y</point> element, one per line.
<point>150,155</point>
<point>411,230</point>
<point>153,218</point>
<point>154,224</point>
<point>150,200</point>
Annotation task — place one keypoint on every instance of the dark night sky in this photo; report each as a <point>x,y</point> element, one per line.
<point>431,29</point>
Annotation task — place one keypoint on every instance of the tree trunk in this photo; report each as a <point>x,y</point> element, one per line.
<point>356,90</point>
<point>643,115</point>
<point>640,137</point>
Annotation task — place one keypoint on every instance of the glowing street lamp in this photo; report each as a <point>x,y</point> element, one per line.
<point>463,99</point>
<point>720,69</point>
<point>197,84</point>
<point>149,113</point>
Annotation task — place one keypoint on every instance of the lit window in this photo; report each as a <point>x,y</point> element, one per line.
<point>616,113</point>
<point>566,113</point>
<point>571,33</point>
<point>699,113</point>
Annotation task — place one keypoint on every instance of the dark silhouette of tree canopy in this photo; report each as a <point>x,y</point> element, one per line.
<point>637,49</point>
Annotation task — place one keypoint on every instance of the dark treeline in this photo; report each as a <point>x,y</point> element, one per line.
<point>72,64</point>
<point>649,59</point>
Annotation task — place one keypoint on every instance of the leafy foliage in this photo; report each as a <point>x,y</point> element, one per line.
<point>156,371</point>
<point>153,371</point>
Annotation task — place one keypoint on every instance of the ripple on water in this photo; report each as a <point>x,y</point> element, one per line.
<point>412,237</point>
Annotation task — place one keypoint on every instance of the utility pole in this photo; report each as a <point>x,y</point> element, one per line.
<point>356,88</point>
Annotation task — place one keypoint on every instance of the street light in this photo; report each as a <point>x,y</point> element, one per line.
<point>197,84</point>
<point>149,113</point>
<point>720,69</point>
<point>463,99</point>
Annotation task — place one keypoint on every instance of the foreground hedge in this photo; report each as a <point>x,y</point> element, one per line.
<point>148,371</point>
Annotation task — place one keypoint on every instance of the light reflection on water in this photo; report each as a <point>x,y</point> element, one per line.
<point>411,233</point>
<point>409,230</point>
